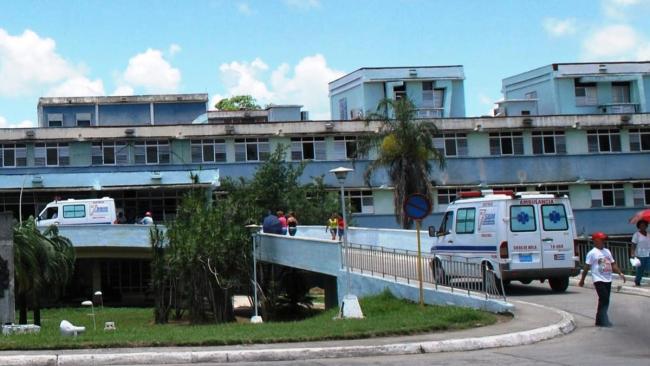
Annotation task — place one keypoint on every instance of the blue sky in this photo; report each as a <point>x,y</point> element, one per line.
<point>285,51</point>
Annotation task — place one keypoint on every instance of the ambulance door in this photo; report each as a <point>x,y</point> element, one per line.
<point>445,235</point>
<point>524,245</point>
<point>557,240</point>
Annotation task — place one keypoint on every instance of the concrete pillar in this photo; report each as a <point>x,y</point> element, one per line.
<point>331,291</point>
<point>7,300</point>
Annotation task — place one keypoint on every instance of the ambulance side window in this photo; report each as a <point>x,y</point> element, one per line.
<point>465,220</point>
<point>522,218</point>
<point>74,211</point>
<point>554,218</point>
<point>445,225</point>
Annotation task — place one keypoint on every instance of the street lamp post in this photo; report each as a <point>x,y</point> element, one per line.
<point>350,307</point>
<point>256,319</point>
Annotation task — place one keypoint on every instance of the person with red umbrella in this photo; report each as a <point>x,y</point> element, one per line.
<point>641,249</point>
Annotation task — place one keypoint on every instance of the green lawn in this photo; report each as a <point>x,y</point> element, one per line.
<point>384,314</point>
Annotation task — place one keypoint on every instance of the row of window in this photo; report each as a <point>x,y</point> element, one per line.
<point>587,93</point>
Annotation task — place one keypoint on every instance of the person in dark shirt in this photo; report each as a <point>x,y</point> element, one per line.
<point>271,224</point>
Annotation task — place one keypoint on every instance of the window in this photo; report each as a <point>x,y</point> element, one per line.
<point>431,97</point>
<point>451,144</point>
<point>448,195</point>
<point>361,201</point>
<point>346,147</point>
<point>83,119</point>
<point>607,195</point>
<point>640,139</point>
<point>110,153</point>
<point>604,140</point>
<point>51,154</point>
<point>621,92</point>
<point>522,218</point>
<point>13,155</point>
<point>343,109</point>
<point>252,149</point>
<point>74,211</point>
<point>151,152</point>
<point>531,95</point>
<point>554,218</point>
<point>641,193</point>
<point>506,143</point>
<point>54,120</point>
<point>308,148</point>
<point>556,189</point>
<point>208,151</point>
<point>399,91</point>
<point>465,220</point>
<point>445,225</point>
<point>586,94</point>
<point>508,188</point>
<point>549,142</point>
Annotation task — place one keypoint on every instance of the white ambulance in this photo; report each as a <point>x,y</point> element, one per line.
<point>522,236</point>
<point>78,212</point>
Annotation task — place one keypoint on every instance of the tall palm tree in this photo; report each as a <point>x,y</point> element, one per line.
<point>405,148</point>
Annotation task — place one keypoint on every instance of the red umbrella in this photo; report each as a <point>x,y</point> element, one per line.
<point>641,215</point>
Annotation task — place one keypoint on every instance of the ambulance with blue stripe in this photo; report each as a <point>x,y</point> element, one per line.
<point>523,236</point>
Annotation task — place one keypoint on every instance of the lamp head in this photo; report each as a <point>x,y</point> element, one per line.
<point>87,303</point>
<point>341,173</point>
<point>98,293</point>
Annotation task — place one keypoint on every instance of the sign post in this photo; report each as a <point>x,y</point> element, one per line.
<point>418,206</point>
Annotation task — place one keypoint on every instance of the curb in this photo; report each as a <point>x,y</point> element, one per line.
<point>617,287</point>
<point>564,326</point>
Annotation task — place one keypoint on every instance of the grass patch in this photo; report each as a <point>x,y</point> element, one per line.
<point>385,315</point>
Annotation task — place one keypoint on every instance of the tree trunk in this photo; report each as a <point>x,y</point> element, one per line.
<point>37,313</point>
<point>22,306</point>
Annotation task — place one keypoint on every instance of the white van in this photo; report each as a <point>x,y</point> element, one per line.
<point>524,236</point>
<point>78,212</point>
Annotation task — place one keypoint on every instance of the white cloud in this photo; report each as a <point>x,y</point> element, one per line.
<point>77,87</point>
<point>152,72</point>
<point>29,62</point>
<point>614,42</point>
<point>23,124</point>
<point>303,4</point>
<point>174,49</point>
<point>618,9</point>
<point>559,27</point>
<point>123,90</point>
<point>244,8</point>
<point>305,83</point>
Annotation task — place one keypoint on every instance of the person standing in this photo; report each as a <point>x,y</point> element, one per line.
<point>283,222</point>
<point>271,224</point>
<point>292,223</point>
<point>641,249</point>
<point>601,263</point>
<point>341,226</point>
<point>147,220</point>
<point>332,225</point>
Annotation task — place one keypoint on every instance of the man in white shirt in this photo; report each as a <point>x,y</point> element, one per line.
<point>641,249</point>
<point>147,220</point>
<point>601,263</point>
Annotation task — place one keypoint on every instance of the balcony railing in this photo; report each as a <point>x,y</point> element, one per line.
<point>429,112</point>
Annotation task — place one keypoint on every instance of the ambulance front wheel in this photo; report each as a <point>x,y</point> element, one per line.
<point>559,284</point>
<point>439,274</point>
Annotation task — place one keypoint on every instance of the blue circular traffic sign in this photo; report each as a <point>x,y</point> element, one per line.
<point>417,206</point>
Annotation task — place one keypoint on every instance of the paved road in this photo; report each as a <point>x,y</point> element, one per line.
<point>627,343</point>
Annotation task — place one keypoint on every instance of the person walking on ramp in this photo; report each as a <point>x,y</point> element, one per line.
<point>601,263</point>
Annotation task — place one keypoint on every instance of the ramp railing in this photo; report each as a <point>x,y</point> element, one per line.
<point>453,273</point>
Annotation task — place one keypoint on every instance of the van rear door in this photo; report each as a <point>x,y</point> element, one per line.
<point>524,235</point>
<point>557,236</point>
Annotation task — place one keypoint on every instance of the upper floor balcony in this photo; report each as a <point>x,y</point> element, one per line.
<point>429,112</point>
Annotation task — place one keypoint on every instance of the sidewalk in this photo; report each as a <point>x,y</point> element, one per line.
<point>531,323</point>
<point>627,288</point>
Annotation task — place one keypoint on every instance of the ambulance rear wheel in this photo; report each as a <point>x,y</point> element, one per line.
<point>526,282</point>
<point>559,284</point>
<point>438,271</point>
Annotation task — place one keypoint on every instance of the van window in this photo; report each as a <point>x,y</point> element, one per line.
<point>445,225</point>
<point>465,220</point>
<point>554,218</point>
<point>522,218</point>
<point>74,211</point>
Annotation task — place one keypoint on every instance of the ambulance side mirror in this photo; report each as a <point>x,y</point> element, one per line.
<point>432,231</point>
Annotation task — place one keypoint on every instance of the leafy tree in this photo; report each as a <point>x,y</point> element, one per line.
<point>237,102</point>
<point>44,262</point>
<point>405,148</point>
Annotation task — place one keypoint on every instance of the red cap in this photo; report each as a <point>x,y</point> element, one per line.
<point>598,235</point>
<point>147,213</point>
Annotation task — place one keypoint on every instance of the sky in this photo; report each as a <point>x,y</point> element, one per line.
<point>286,51</point>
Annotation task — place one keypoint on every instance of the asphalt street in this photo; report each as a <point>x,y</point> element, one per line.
<point>627,343</point>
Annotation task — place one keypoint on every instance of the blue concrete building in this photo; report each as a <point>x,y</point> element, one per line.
<point>436,91</point>
<point>578,88</point>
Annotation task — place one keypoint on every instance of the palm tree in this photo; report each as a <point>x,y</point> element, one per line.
<point>44,262</point>
<point>405,148</point>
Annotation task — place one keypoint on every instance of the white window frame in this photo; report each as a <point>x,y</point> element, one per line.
<point>607,195</point>
<point>200,151</point>
<point>639,139</point>
<point>586,94</point>
<point>447,195</point>
<point>83,118</point>
<point>515,139</point>
<point>451,144</point>
<point>597,139</point>
<point>19,152</point>
<point>556,189</point>
<point>101,153</point>
<point>302,145</point>
<point>399,91</point>
<point>261,145</point>
<point>550,142</point>
<point>641,194</point>
<point>55,120</point>
<point>432,97</point>
<point>363,197</point>
<point>621,92</point>
<point>346,147</point>
<point>59,151</point>
<point>145,150</point>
